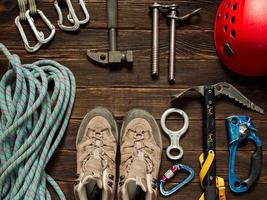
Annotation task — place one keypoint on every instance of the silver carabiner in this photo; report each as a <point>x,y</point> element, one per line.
<point>85,11</point>
<point>27,46</point>
<point>174,135</point>
<point>76,23</point>
<point>38,34</point>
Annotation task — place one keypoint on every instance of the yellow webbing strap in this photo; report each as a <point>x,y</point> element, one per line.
<point>205,165</point>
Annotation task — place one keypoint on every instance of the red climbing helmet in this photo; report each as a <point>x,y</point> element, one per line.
<point>240,36</point>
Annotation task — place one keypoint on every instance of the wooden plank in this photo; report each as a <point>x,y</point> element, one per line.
<point>65,161</point>
<point>132,14</point>
<point>192,140</point>
<point>89,74</point>
<point>195,44</point>
<point>191,191</point>
<point>156,101</point>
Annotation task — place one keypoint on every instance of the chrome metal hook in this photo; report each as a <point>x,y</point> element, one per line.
<point>76,22</point>
<point>85,11</point>
<point>28,48</point>
<point>38,34</point>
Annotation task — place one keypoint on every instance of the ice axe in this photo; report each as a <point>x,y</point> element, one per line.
<point>209,92</point>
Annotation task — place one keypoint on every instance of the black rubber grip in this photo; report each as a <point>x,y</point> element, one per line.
<point>112,12</point>
<point>255,168</point>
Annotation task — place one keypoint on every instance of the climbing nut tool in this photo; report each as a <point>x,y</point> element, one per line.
<point>209,92</point>
<point>240,129</point>
<point>113,56</point>
<point>171,11</point>
<point>170,174</point>
<point>174,135</point>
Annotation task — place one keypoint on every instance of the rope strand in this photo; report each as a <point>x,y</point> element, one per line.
<point>32,124</point>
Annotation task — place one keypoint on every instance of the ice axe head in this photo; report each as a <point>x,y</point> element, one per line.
<point>224,89</point>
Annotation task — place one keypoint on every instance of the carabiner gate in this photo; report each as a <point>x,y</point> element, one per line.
<point>170,174</point>
<point>27,46</point>
<point>85,11</point>
<point>38,34</point>
<point>72,17</point>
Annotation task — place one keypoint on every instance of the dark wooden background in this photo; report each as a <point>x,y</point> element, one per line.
<point>126,88</point>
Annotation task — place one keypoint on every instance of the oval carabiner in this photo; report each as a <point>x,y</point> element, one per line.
<point>27,46</point>
<point>38,34</point>
<point>85,11</point>
<point>170,174</point>
<point>76,23</point>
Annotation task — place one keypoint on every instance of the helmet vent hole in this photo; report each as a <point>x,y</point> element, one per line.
<point>233,19</point>
<point>233,33</point>
<point>226,16</point>
<point>225,28</point>
<point>235,6</point>
<point>228,5</point>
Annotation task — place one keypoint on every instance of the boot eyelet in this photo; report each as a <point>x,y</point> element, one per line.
<point>110,176</point>
<point>110,184</point>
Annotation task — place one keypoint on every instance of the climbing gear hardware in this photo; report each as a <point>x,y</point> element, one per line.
<point>26,16</point>
<point>171,12</point>
<point>33,121</point>
<point>240,128</point>
<point>174,135</point>
<point>209,92</point>
<point>113,56</point>
<point>72,16</point>
<point>170,174</point>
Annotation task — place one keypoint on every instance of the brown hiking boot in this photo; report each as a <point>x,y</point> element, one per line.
<point>96,156</point>
<point>140,148</point>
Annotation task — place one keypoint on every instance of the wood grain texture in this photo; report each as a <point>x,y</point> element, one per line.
<point>124,88</point>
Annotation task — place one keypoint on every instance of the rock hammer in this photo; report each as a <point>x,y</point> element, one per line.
<point>113,56</point>
<point>209,92</point>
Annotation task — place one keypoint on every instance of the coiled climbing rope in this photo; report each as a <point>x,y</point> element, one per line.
<point>32,123</point>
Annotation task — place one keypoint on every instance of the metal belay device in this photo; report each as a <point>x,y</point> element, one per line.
<point>170,174</point>
<point>33,121</point>
<point>240,129</point>
<point>26,16</point>
<point>72,16</point>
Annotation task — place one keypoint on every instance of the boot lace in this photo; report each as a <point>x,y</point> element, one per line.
<point>97,147</point>
<point>140,146</point>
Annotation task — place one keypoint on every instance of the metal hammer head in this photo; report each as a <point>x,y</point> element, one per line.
<point>228,90</point>
<point>111,57</point>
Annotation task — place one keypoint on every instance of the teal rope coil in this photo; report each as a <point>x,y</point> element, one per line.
<point>32,123</point>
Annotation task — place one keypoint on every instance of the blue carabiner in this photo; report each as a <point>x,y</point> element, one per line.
<point>170,173</point>
<point>241,128</point>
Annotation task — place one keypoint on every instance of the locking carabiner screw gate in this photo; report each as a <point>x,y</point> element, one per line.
<point>170,174</point>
